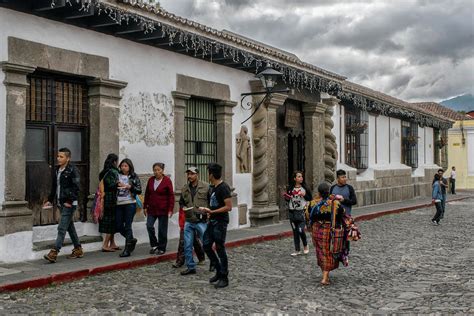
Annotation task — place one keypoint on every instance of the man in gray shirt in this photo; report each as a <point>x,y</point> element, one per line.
<point>345,190</point>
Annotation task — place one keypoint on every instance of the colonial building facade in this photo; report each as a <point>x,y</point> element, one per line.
<point>112,76</point>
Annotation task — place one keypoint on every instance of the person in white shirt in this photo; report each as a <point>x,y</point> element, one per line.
<point>452,180</point>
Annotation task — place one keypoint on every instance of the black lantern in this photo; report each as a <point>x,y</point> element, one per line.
<point>269,78</point>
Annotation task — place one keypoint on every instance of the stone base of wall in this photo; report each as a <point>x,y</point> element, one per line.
<point>393,185</point>
<point>15,217</point>
<point>264,216</point>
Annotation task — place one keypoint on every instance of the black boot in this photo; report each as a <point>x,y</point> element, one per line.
<point>133,243</point>
<point>223,282</point>
<point>126,251</point>
<point>215,278</point>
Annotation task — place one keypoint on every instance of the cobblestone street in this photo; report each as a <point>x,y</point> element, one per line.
<point>403,264</point>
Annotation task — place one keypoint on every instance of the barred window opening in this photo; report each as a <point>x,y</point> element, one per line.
<point>200,135</point>
<point>410,144</point>
<point>356,138</point>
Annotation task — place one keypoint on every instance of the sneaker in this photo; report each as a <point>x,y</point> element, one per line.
<point>51,256</point>
<point>215,278</point>
<point>188,271</point>
<point>306,250</point>
<point>296,253</point>
<point>159,252</point>
<point>434,222</point>
<point>201,262</point>
<point>177,265</point>
<point>76,253</point>
<point>153,250</point>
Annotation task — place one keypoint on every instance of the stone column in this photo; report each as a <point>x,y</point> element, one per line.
<point>224,113</point>
<point>180,100</point>
<point>14,214</point>
<point>104,112</point>
<point>265,209</point>
<point>330,146</point>
<point>313,116</point>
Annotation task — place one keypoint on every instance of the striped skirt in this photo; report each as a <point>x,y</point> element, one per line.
<point>321,234</point>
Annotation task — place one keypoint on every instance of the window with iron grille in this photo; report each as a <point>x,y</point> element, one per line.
<point>356,138</point>
<point>410,144</point>
<point>200,135</point>
<point>56,100</point>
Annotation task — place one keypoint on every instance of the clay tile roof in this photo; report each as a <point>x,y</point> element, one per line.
<point>441,110</point>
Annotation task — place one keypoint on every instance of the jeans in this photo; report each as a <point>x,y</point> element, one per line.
<point>162,231</point>
<point>124,219</point>
<point>439,212</point>
<point>216,233</point>
<point>443,206</point>
<point>298,233</point>
<point>66,223</point>
<point>453,186</point>
<point>190,230</point>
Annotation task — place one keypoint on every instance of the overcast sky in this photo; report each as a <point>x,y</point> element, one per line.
<point>416,50</point>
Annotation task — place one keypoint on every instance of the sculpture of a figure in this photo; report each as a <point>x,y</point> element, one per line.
<point>243,150</point>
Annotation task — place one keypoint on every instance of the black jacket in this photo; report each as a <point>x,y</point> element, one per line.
<point>352,200</point>
<point>69,182</point>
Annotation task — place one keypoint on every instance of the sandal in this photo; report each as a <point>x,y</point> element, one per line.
<point>107,250</point>
<point>116,248</point>
<point>325,283</point>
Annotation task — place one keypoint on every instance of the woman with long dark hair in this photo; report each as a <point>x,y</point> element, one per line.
<point>298,194</point>
<point>438,197</point>
<point>128,189</point>
<point>107,225</point>
<point>325,217</point>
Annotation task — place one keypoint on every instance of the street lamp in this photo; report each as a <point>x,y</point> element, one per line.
<point>269,78</point>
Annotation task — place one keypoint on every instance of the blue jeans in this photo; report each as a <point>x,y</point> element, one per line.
<point>124,219</point>
<point>216,233</point>
<point>190,230</point>
<point>66,223</point>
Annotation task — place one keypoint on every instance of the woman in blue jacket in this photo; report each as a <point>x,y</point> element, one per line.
<point>437,196</point>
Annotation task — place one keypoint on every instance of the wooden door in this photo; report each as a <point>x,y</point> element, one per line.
<point>57,116</point>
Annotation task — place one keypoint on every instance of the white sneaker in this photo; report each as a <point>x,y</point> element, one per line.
<point>306,251</point>
<point>296,253</point>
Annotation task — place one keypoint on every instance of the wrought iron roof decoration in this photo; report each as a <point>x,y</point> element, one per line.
<point>205,47</point>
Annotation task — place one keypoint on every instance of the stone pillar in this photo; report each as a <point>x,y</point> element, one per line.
<point>14,214</point>
<point>313,116</point>
<point>330,146</point>
<point>180,100</point>
<point>224,113</point>
<point>265,208</point>
<point>104,112</point>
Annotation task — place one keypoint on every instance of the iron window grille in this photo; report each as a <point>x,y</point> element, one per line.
<point>410,144</point>
<point>200,135</point>
<point>356,138</point>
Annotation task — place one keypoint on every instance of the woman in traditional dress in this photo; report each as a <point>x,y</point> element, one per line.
<point>320,217</point>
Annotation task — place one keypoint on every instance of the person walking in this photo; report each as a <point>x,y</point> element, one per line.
<point>452,180</point>
<point>220,204</point>
<point>345,190</point>
<point>158,205</point>
<point>298,195</point>
<point>107,224</point>
<point>128,189</point>
<point>193,195</point>
<point>65,192</point>
<point>327,213</point>
<point>444,187</point>
<point>437,197</point>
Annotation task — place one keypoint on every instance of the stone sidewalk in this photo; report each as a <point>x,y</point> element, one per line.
<point>39,273</point>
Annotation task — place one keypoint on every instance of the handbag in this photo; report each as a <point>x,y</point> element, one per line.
<point>97,209</point>
<point>336,243</point>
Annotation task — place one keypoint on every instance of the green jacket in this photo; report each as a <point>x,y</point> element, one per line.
<point>200,200</point>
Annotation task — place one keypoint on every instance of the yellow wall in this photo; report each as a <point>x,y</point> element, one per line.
<point>458,154</point>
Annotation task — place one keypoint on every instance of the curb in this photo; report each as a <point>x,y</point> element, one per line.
<point>80,274</point>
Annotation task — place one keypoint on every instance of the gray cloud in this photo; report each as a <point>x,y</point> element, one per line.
<point>412,49</point>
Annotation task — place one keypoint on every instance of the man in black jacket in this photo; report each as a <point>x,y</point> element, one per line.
<point>65,192</point>
<point>345,190</point>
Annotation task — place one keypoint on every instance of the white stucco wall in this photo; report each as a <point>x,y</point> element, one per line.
<point>383,138</point>
<point>372,140</point>
<point>337,130</point>
<point>429,145</point>
<point>395,141</point>
<point>151,76</point>
<point>2,135</point>
<point>421,146</point>
<point>470,153</point>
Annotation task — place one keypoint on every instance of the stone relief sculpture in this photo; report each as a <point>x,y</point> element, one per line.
<point>242,141</point>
